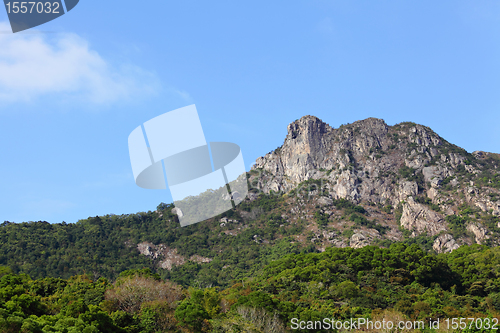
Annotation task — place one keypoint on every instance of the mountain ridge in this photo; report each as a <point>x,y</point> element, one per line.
<point>364,183</point>
<point>406,165</point>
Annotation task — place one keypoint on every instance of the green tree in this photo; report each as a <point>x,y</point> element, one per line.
<point>191,312</point>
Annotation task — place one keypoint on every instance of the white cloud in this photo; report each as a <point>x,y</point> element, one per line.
<point>64,66</point>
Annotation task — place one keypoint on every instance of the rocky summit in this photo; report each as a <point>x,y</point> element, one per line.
<point>407,178</point>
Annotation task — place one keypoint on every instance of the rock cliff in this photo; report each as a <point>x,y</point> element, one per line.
<point>430,186</point>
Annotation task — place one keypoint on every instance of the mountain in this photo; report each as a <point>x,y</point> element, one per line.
<point>293,253</point>
<point>430,186</point>
<point>364,183</point>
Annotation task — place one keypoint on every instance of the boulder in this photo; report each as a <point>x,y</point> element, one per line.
<point>445,243</point>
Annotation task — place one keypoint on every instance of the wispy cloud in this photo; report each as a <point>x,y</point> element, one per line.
<point>33,66</point>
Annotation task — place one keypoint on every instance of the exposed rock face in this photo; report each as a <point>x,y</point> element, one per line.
<point>200,259</point>
<point>324,201</point>
<point>303,153</point>
<point>421,219</point>
<point>406,189</point>
<point>171,259</point>
<point>434,175</point>
<point>355,159</point>
<point>445,243</point>
<point>147,249</point>
<point>329,237</point>
<point>358,240</point>
<point>363,238</point>
<point>178,211</point>
<point>166,256</point>
<point>480,199</point>
<point>368,162</point>
<point>479,231</point>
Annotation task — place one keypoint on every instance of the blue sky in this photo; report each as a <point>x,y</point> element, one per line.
<point>72,90</point>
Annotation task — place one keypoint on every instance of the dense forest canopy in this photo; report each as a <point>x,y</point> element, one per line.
<point>402,282</point>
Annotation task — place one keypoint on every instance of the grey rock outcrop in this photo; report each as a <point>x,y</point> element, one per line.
<point>420,218</point>
<point>178,211</point>
<point>353,159</point>
<point>445,243</point>
<point>368,162</point>
<point>479,231</point>
<point>362,238</point>
<point>167,257</point>
<point>358,240</point>
<point>407,189</point>
<point>324,201</point>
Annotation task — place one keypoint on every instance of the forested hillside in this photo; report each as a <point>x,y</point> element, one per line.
<point>402,283</point>
<point>207,254</point>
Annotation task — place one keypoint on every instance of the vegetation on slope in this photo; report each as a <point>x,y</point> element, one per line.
<point>401,282</point>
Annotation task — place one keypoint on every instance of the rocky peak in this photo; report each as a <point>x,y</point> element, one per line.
<point>307,128</point>
<point>305,136</point>
<point>368,162</point>
<point>371,126</point>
